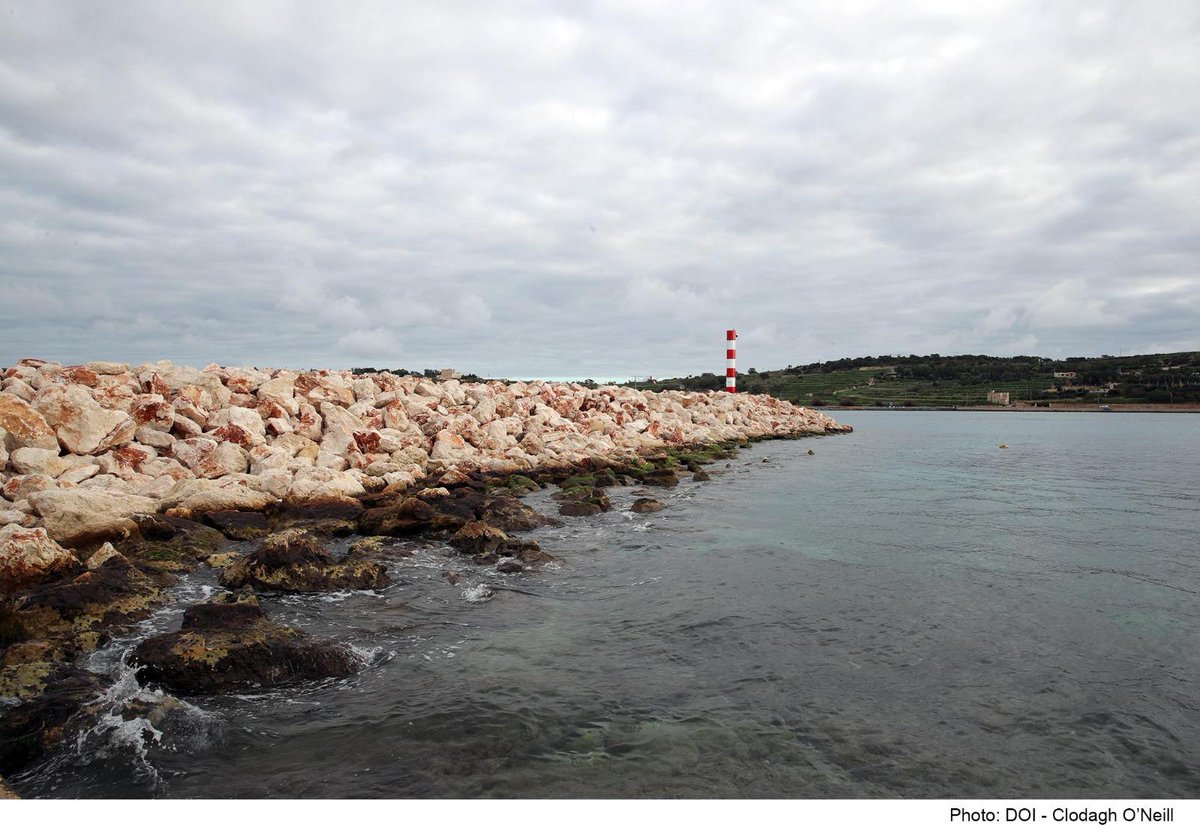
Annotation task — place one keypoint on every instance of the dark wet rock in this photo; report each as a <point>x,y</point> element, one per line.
<point>661,477</point>
<point>239,525</point>
<point>228,643</point>
<point>693,467</point>
<point>293,560</point>
<point>605,478</point>
<point>333,517</point>
<point>766,461</point>
<point>528,553</point>
<point>510,566</point>
<point>579,508</point>
<point>380,547</point>
<point>409,517</point>
<point>223,559</point>
<point>452,577</point>
<point>588,503</point>
<point>79,613</point>
<point>519,484</point>
<point>26,667</point>
<point>510,514</point>
<point>451,512</point>
<point>155,528</point>
<point>488,558</point>
<point>6,792</point>
<point>647,506</point>
<point>478,537</point>
<point>702,476</point>
<point>173,543</point>
<point>811,452</point>
<point>36,726</point>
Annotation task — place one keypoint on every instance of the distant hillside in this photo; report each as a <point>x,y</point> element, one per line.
<point>965,380</point>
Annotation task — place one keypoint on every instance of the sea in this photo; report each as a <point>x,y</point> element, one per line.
<point>938,605</point>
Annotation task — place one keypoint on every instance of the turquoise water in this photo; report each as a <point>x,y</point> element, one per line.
<point>911,611</point>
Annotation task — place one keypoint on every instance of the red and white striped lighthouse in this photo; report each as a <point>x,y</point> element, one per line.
<point>731,360</point>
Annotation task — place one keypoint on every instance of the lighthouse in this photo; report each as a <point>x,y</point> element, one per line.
<point>731,360</point>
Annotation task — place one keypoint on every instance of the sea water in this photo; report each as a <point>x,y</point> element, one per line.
<point>910,611</point>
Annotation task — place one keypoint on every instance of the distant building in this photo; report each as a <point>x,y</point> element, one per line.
<point>1069,375</point>
<point>449,374</point>
<point>1001,398</point>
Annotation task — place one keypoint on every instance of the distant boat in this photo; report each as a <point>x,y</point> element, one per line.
<point>1105,408</point>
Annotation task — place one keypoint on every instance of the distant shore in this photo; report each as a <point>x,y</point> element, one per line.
<point>1056,406</point>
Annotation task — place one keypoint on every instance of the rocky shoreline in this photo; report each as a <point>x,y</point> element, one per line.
<point>114,480</point>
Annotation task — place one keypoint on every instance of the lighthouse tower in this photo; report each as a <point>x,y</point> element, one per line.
<point>731,360</point>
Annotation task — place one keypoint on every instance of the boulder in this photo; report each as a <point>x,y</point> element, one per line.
<point>82,425</point>
<point>509,514</point>
<point>646,505</point>
<point>408,517</point>
<point>81,516</point>
<point>225,459</point>
<point>335,517</point>
<point>102,555</point>
<point>28,556</point>
<point>37,725</point>
<point>22,487</point>
<point>24,426</point>
<point>478,537</point>
<point>195,497</point>
<point>30,460</point>
<point>579,508</point>
<point>319,483</point>
<point>79,613</point>
<point>662,477</point>
<point>228,643</point>
<point>293,560</point>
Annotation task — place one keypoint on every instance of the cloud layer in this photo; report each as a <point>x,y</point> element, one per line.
<point>596,189</point>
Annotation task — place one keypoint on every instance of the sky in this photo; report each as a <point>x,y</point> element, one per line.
<point>596,189</point>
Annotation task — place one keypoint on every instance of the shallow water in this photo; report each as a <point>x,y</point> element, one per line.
<point>911,611</point>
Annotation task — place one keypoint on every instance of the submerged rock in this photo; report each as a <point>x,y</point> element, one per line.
<point>228,643</point>
<point>511,514</point>
<point>36,726</point>
<point>647,506</point>
<point>478,537</point>
<point>662,477</point>
<point>293,560</point>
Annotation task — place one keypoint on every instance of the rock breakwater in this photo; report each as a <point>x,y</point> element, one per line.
<point>83,449</point>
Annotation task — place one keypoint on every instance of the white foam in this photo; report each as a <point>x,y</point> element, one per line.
<point>478,593</point>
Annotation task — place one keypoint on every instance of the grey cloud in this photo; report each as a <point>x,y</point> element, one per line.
<point>596,189</point>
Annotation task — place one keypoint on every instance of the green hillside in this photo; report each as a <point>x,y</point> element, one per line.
<point>965,380</point>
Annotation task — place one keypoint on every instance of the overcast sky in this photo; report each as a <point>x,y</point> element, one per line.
<point>596,189</point>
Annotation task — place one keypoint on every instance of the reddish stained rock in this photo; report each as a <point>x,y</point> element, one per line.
<point>24,426</point>
<point>81,375</point>
<point>28,556</point>
<point>368,442</point>
<point>131,457</point>
<point>234,434</point>
<point>152,410</point>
